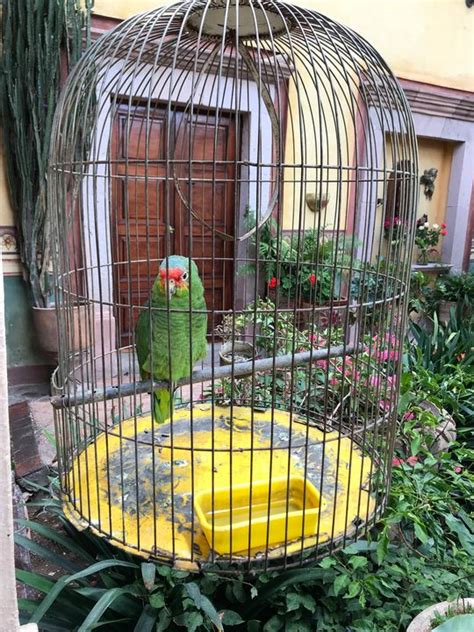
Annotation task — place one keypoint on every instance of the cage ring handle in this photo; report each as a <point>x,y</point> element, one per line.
<point>266,98</point>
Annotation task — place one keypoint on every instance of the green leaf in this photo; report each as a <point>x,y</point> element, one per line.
<point>327,562</point>
<point>421,533</point>
<point>353,591</point>
<point>295,600</point>
<point>102,605</point>
<point>64,581</point>
<point>189,620</point>
<point>415,444</point>
<point>459,623</point>
<point>273,625</point>
<point>359,547</point>
<point>358,561</point>
<point>55,536</point>
<point>340,583</point>
<point>157,600</point>
<point>45,553</point>
<point>229,617</point>
<point>466,538</point>
<point>382,547</point>
<point>147,620</point>
<point>164,621</point>
<point>148,575</point>
<point>34,580</point>
<point>203,603</point>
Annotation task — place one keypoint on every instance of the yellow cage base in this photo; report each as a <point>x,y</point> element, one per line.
<point>134,485</point>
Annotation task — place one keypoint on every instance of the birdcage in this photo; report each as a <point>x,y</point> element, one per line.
<point>233,192</point>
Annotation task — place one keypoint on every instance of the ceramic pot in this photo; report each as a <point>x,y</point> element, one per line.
<point>422,622</point>
<point>236,352</point>
<point>444,309</point>
<point>46,324</point>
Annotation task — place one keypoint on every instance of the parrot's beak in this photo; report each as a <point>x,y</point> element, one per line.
<point>171,283</point>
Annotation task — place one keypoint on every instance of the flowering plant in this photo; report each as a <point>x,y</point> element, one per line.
<point>394,230</point>
<point>427,237</point>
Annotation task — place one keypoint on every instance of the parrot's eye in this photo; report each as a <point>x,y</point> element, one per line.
<point>184,276</point>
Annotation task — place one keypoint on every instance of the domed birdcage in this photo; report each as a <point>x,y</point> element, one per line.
<point>233,190</point>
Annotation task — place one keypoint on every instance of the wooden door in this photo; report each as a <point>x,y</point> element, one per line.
<point>145,199</point>
<point>209,192</point>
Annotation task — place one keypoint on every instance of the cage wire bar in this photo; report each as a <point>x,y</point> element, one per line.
<point>275,149</point>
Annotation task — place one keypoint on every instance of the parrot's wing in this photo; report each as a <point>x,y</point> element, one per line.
<point>142,337</point>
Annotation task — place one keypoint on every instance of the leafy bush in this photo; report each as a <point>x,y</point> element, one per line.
<point>423,552</point>
<point>308,262</point>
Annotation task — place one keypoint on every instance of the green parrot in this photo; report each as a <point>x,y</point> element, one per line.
<point>171,356</point>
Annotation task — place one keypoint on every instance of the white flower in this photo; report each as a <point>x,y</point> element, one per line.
<point>421,228</point>
<point>427,224</point>
<point>435,226</point>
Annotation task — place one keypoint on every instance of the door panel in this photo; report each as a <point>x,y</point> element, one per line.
<point>140,205</point>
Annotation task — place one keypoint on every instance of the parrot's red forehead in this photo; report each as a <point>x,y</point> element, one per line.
<point>171,273</point>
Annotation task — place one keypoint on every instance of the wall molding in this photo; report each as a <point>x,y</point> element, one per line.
<point>425,98</point>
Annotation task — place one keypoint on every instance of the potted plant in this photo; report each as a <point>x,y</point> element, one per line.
<point>39,40</point>
<point>446,616</point>
<point>234,347</point>
<point>427,237</point>
<point>453,291</point>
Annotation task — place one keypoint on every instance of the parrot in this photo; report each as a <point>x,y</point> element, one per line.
<point>171,356</point>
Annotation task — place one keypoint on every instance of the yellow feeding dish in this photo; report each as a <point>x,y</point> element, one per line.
<point>258,514</point>
<point>148,488</point>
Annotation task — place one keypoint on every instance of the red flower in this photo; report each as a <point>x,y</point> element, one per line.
<point>412,460</point>
<point>273,282</point>
<point>444,232</point>
<point>312,279</point>
<point>387,223</point>
<point>443,225</point>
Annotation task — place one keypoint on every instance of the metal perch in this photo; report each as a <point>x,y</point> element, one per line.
<point>239,369</point>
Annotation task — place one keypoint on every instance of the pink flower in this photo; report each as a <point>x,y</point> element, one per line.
<point>385,404</point>
<point>375,381</point>
<point>323,364</point>
<point>273,282</point>
<point>458,469</point>
<point>409,415</point>
<point>412,460</point>
<point>386,354</point>
<point>443,226</point>
<point>387,223</point>
<point>444,232</point>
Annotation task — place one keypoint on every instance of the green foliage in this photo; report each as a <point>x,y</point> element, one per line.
<point>306,265</point>
<point>438,366</point>
<point>35,32</point>
<point>443,347</point>
<point>456,287</point>
<point>422,553</point>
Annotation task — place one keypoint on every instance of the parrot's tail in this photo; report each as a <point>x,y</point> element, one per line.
<point>162,405</point>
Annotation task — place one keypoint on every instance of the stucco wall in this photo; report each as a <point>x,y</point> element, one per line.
<point>431,41</point>
<point>424,40</point>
